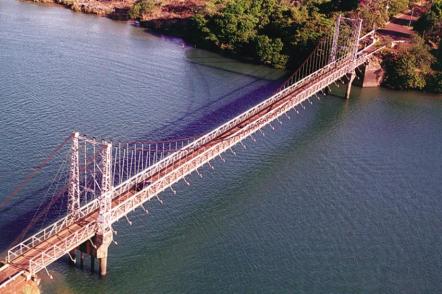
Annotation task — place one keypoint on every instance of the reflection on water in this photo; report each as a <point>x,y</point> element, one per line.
<point>342,198</point>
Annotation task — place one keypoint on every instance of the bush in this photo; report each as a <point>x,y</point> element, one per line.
<point>439,55</point>
<point>435,83</point>
<point>409,68</point>
<point>270,31</point>
<point>142,8</point>
<point>374,14</point>
<point>269,51</point>
<point>430,24</point>
<point>397,6</point>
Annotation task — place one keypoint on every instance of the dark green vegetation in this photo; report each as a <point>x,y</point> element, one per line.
<point>269,31</point>
<point>280,33</point>
<point>377,13</point>
<point>409,68</point>
<point>142,7</point>
<point>430,24</point>
<point>419,67</point>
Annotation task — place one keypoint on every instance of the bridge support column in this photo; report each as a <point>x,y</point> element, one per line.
<point>350,82</point>
<point>102,265</point>
<point>103,242</point>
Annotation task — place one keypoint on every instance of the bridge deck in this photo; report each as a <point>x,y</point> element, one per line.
<point>21,263</point>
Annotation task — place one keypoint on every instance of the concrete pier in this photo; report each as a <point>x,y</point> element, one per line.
<point>371,74</point>
<point>102,265</point>
<point>97,249</point>
<point>103,242</point>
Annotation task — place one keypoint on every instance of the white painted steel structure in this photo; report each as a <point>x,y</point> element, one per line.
<point>332,60</point>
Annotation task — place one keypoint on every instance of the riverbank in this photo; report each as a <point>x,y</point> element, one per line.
<point>280,35</point>
<point>413,61</point>
<point>120,9</point>
<point>352,183</point>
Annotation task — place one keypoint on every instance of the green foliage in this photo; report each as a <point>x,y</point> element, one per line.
<point>397,6</point>
<point>338,5</point>
<point>374,14</point>
<point>439,55</point>
<point>270,31</point>
<point>141,8</point>
<point>409,68</point>
<point>268,51</point>
<point>435,83</point>
<point>430,24</point>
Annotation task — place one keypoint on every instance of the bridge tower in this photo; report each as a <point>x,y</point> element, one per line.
<point>334,48</point>
<point>74,178</point>
<point>104,234</point>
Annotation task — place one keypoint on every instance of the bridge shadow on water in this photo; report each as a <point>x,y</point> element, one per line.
<point>207,117</point>
<point>14,226</point>
<point>315,122</point>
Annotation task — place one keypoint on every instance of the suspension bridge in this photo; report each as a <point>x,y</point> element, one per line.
<point>108,180</point>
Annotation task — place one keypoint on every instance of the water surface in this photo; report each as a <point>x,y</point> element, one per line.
<point>343,198</point>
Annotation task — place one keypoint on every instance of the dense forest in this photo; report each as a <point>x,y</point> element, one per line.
<point>280,33</point>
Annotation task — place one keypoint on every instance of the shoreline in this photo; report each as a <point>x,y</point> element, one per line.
<point>113,10</point>
<point>184,27</point>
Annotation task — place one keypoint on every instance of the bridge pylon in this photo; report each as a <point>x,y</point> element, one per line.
<point>74,177</point>
<point>136,182</point>
<point>104,236</point>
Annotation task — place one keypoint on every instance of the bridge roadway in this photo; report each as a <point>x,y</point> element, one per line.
<point>12,272</point>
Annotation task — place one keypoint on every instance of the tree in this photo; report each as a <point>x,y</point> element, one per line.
<point>269,51</point>
<point>409,68</point>
<point>397,6</point>
<point>439,55</point>
<point>430,24</point>
<point>338,5</point>
<point>142,8</point>
<point>374,13</point>
<point>435,83</point>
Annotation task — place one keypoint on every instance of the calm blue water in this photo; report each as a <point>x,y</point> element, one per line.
<point>343,198</point>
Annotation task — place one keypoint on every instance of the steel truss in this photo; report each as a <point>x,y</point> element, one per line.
<point>97,216</point>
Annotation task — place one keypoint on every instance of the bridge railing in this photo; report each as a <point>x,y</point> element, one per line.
<point>175,173</point>
<point>48,232</point>
<point>206,138</point>
<point>86,232</point>
<point>59,225</point>
<point>213,134</point>
<point>59,249</point>
<point>323,50</point>
<point>145,174</point>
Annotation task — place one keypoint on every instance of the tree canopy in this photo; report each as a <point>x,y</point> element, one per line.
<point>269,31</point>
<point>430,24</point>
<point>409,68</point>
<point>142,7</point>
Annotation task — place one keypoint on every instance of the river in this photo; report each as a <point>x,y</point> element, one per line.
<point>345,197</point>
